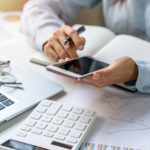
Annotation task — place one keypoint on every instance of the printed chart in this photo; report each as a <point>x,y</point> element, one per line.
<point>91,146</point>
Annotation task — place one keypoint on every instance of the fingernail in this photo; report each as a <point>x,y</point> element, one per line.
<point>60,60</point>
<point>95,77</point>
<point>66,59</point>
<point>68,45</point>
<point>81,47</point>
<point>78,79</point>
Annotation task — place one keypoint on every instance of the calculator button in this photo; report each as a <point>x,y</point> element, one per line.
<point>58,121</point>
<point>52,112</point>
<point>3,98</point>
<point>48,134</point>
<point>67,108</point>
<point>88,113</point>
<point>30,123</point>
<point>52,128</point>
<point>72,140</point>
<point>75,134</point>
<point>41,109</point>
<point>41,125</point>
<point>62,125</point>
<point>54,109</point>
<point>22,134</point>
<point>56,106</point>
<point>1,107</point>
<point>85,119</point>
<point>80,127</point>
<point>69,124</point>
<point>78,110</point>
<point>7,102</point>
<point>36,116</point>
<point>36,131</point>
<point>26,128</point>
<point>60,137</point>
<point>63,114</point>
<point>46,118</point>
<point>74,117</point>
<point>46,103</point>
<point>64,131</point>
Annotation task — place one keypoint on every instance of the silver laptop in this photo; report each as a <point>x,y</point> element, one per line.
<point>32,89</point>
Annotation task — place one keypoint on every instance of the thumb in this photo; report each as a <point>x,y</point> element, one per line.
<point>100,73</point>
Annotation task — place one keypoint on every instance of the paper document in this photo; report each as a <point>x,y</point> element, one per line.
<point>123,117</point>
<point>94,146</point>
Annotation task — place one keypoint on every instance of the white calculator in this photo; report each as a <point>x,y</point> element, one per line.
<point>52,126</point>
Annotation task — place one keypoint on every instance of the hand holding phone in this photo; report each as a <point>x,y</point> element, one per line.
<point>81,68</point>
<point>64,43</point>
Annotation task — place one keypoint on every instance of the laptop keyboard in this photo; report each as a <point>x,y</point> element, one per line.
<point>5,102</point>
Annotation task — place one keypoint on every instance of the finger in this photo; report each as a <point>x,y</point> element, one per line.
<point>82,81</point>
<point>67,59</point>
<point>59,49</point>
<point>78,42</point>
<point>105,77</point>
<point>69,49</point>
<point>49,51</point>
<point>102,73</point>
<point>53,55</point>
<point>61,60</point>
<point>86,78</point>
<point>83,41</point>
<point>96,76</point>
<point>88,82</point>
<point>99,83</point>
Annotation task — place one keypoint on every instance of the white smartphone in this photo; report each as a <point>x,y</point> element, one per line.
<point>81,67</point>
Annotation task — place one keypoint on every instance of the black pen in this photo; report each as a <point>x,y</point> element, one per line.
<point>79,31</point>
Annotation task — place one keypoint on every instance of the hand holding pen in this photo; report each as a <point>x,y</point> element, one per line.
<point>68,39</point>
<point>64,43</point>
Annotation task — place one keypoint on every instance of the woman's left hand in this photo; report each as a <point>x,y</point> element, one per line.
<point>121,70</point>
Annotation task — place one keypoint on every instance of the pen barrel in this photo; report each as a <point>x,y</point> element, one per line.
<point>67,40</point>
<point>81,29</point>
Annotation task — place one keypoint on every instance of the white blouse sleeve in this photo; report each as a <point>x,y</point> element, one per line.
<point>42,17</point>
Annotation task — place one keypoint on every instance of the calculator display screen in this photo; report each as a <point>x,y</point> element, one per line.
<point>58,144</point>
<point>21,146</point>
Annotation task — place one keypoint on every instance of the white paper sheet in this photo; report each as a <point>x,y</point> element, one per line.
<point>124,117</point>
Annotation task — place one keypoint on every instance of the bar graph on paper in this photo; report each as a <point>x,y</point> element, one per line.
<point>91,146</point>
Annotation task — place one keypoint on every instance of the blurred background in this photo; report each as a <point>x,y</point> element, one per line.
<point>11,11</point>
<point>95,16</point>
<point>11,5</point>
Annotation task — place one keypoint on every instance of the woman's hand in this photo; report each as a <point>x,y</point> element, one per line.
<point>121,70</point>
<point>55,48</point>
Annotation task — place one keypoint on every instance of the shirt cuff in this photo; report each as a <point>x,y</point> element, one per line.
<point>143,80</point>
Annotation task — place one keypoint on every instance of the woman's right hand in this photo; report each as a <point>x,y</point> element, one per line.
<point>55,48</point>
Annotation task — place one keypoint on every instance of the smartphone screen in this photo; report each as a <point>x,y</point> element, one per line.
<point>82,66</point>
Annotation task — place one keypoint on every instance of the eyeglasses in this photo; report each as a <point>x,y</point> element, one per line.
<point>6,78</point>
